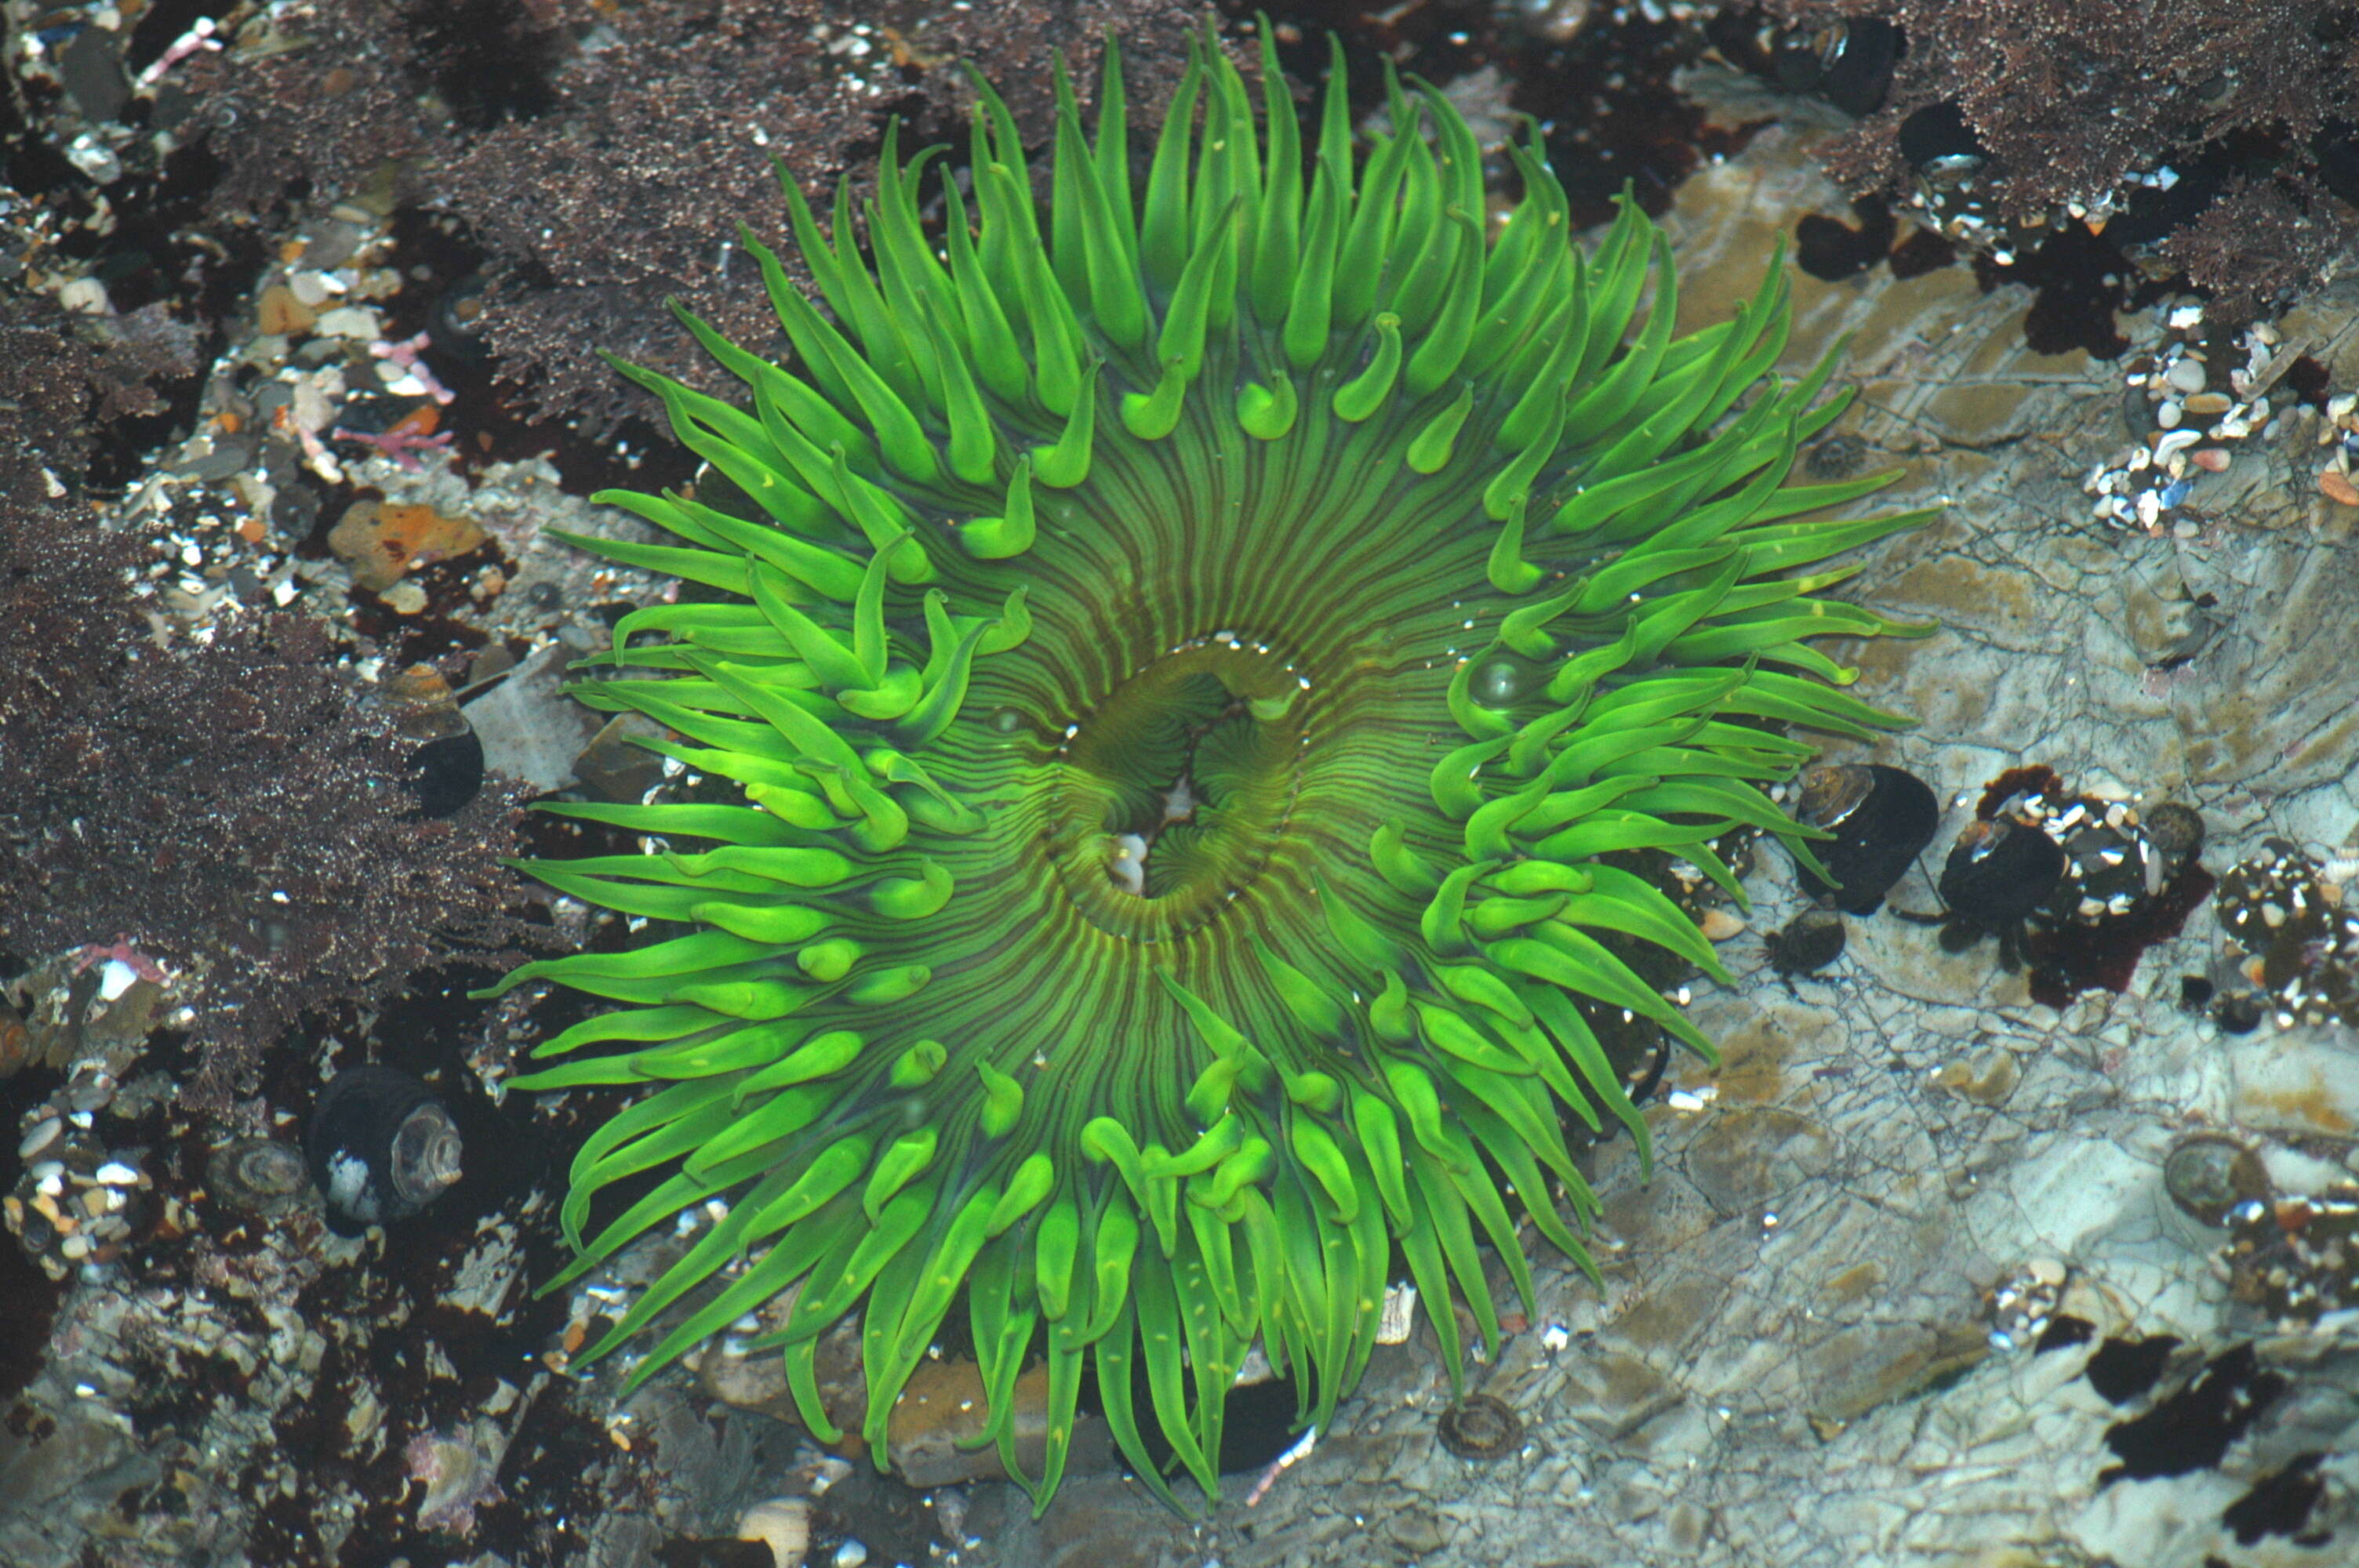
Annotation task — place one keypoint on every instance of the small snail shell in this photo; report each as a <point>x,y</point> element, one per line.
<point>259,1175</point>
<point>382,1146</point>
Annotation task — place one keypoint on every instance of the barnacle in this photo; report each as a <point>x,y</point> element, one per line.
<point>1201,669</point>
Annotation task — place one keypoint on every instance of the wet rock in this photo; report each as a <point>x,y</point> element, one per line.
<point>945,1407</point>
<point>610,767</point>
<point>1858,1369</point>
<point>530,728</point>
<point>2303,1080</point>
<point>92,65</point>
<point>1985,1080</point>
<point>1742,1157</point>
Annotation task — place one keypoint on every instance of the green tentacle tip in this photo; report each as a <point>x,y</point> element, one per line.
<point>1191,692</point>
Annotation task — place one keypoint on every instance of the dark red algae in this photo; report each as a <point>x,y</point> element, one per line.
<point>2070,959</point>
<point>2036,779</point>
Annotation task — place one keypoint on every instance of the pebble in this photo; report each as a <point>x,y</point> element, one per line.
<point>351,321</point>
<point>2206,402</point>
<point>85,297</point>
<point>44,1133</point>
<point>2186,375</point>
<point>2213,460</point>
<point>2338,489</point>
<point>282,312</point>
<point>2168,416</point>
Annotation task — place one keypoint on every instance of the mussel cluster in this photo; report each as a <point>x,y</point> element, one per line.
<point>2073,882</point>
<point>2296,940</point>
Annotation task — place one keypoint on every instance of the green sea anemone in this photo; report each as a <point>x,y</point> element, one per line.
<point>1202,667</point>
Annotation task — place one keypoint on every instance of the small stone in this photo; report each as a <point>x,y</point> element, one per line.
<point>2338,489</point>
<point>351,321</point>
<point>44,1133</point>
<point>2186,375</point>
<point>2168,416</point>
<point>1719,925</point>
<point>405,598</point>
<point>382,541</point>
<point>85,297</point>
<point>229,456</point>
<point>2212,459</point>
<point>279,312</point>
<point>2210,403</point>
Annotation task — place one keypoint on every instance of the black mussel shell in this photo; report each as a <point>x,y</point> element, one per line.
<point>382,1146</point>
<point>2000,870</point>
<point>446,767</point>
<point>1882,818</point>
<point>1858,66</point>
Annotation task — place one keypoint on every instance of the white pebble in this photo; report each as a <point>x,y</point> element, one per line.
<point>2169,415</point>
<point>2186,375</point>
<point>115,1173</point>
<point>783,1524</point>
<point>118,977</point>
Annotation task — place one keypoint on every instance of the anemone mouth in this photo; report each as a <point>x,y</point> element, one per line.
<point>1175,791</point>
<point>1200,682</point>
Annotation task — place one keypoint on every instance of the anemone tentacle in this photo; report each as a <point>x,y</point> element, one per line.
<point>1198,669</point>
